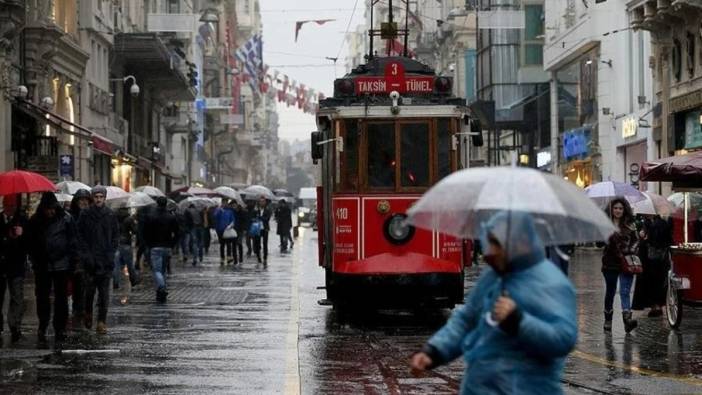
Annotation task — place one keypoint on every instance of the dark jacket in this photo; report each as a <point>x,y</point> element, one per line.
<point>263,215</point>
<point>283,216</point>
<point>142,214</point>
<point>127,228</point>
<point>243,220</point>
<point>195,217</point>
<point>623,242</point>
<point>161,229</point>
<point>54,242</point>
<point>99,234</point>
<point>13,248</point>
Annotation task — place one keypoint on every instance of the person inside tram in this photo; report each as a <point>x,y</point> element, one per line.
<point>518,323</point>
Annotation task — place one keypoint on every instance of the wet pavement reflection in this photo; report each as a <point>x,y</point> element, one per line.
<point>250,329</point>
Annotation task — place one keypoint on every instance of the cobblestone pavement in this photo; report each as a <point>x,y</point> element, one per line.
<point>249,329</point>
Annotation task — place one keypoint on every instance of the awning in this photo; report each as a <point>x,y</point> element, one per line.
<point>102,144</point>
<point>683,170</point>
<point>145,56</point>
<point>56,121</point>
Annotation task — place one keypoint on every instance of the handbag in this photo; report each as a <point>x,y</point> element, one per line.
<point>631,264</point>
<point>256,228</point>
<point>229,232</point>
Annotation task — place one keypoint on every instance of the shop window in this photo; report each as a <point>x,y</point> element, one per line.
<point>443,147</point>
<point>381,155</point>
<point>414,164</point>
<point>349,157</point>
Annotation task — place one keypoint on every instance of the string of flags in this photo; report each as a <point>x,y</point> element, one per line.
<point>272,83</point>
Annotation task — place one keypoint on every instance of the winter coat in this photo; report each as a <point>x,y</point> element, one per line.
<point>54,242</point>
<point>161,229</point>
<point>243,220</point>
<point>142,214</point>
<point>283,216</point>
<point>223,216</point>
<point>195,217</point>
<point>13,249</point>
<point>524,354</point>
<point>263,215</point>
<point>127,228</point>
<point>99,234</point>
<point>623,242</point>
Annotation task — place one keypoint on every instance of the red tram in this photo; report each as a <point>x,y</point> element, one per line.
<point>388,134</point>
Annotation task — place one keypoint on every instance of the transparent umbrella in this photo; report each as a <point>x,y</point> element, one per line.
<point>606,191</point>
<point>230,193</point>
<point>654,204</point>
<point>135,199</point>
<point>149,190</point>
<point>256,191</point>
<point>116,193</point>
<point>199,202</point>
<point>71,187</point>
<point>464,202</point>
<point>63,197</point>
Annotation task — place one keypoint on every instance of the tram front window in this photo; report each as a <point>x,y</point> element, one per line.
<point>381,155</point>
<point>414,166</point>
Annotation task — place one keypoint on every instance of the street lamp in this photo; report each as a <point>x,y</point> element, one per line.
<point>134,88</point>
<point>210,15</point>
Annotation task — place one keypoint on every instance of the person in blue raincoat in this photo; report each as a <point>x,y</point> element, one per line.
<point>517,324</point>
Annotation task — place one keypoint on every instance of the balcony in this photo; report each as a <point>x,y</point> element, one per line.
<point>176,23</point>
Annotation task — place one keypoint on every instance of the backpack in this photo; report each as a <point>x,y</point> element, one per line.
<point>255,228</point>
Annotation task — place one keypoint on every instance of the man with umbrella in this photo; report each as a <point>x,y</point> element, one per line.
<point>99,232</point>
<point>81,201</point>
<point>13,256</point>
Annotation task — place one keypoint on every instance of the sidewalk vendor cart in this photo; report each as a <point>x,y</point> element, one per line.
<point>685,274</point>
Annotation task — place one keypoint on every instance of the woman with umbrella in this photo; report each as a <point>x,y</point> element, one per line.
<point>624,242</point>
<point>518,323</point>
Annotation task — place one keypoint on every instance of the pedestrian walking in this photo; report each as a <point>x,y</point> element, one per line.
<point>99,234</point>
<point>208,215</point>
<point>623,243</point>
<point>196,219</point>
<point>260,226</point>
<point>656,237</point>
<point>13,258</point>
<point>518,322</point>
<point>54,252</point>
<point>81,201</point>
<point>161,230</point>
<point>241,224</point>
<point>251,213</point>
<point>142,251</point>
<point>184,230</point>
<point>283,216</point>
<point>225,220</point>
<point>125,254</point>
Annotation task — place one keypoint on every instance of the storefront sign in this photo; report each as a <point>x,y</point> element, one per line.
<point>231,119</point>
<point>630,126</point>
<point>218,103</point>
<point>686,102</point>
<point>575,142</point>
<point>543,158</point>
<point>103,145</point>
<point>693,130</point>
<point>66,166</point>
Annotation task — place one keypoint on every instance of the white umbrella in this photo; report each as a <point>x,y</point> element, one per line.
<point>63,197</point>
<point>149,190</point>
<point>463,202</point>
<point>71,187</point>
<point>606,191</point>
<point>256,191</point>
<point>230,193</point>
<point>199,202</point>
<point>135,199</point>
<point>115,193</point>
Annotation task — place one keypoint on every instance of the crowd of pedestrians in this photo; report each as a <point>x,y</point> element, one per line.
<point>80,252</point>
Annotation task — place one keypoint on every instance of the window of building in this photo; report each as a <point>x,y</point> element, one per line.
<point>533,35</point>
<point>381,155</point>
<point>64,14</point>
<point>414,154</point>
<point>174,6</point>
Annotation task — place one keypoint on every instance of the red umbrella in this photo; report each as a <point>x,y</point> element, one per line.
<point>18,181</point>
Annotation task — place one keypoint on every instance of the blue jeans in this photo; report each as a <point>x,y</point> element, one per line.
<point>159,261</point>
<point>185,243</point>
<point>196,243</point>
<point>124,257</point>
<point>625,282</point>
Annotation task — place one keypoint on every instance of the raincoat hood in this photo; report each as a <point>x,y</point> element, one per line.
<point>516,233</point>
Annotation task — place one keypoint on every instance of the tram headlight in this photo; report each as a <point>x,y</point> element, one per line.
<point>397,230</point>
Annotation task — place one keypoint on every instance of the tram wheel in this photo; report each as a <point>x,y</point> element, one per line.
<point>673,306</point>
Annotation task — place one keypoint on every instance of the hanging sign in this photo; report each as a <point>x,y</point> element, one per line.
<point>629,127</point>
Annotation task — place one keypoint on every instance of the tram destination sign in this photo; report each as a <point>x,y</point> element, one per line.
<point>394,79</point>
<point>401,85</point>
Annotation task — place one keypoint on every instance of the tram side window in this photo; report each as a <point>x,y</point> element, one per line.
<point>443,146</point>
<point>381,155</point>
<point>414,154</point>
<point>349,169</point>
